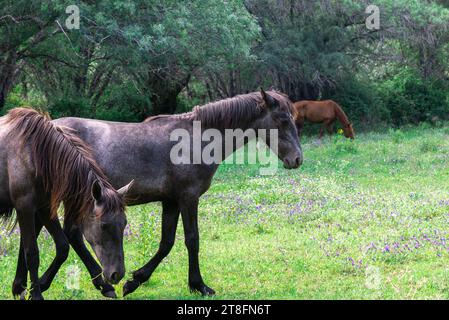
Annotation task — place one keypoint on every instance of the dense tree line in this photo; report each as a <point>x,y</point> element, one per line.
<point>134,58</point>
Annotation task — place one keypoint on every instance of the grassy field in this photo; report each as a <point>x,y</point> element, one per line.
<point>367,219</point>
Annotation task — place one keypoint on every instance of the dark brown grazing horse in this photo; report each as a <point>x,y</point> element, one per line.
<point>143,151</point>
<point>42,165</point>
<point>325,112</point>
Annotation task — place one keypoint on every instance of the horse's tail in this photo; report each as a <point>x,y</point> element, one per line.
<point>341,115</point>
<point>62,160</point>
<point>6,213</point>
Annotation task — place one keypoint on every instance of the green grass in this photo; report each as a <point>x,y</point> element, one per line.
<point>360,220</point>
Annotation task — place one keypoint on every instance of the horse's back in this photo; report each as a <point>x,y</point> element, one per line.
<point>315,111</point>
<point>127,151</point>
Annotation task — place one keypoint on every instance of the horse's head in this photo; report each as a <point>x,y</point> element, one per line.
<point>278,116</point>
<point>104,229</point>
<point>348,131</point>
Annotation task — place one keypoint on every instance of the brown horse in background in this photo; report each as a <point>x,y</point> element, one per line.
<point>325,112</point>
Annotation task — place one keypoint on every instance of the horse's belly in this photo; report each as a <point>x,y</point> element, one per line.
<point>149,184</point>
<point>319,114</point>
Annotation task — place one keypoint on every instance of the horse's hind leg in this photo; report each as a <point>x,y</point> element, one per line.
<point>170,216</point>
<point>20,279</point>
<point>62,251</point>
<point>26,216</point>
<point>322,132</point>
<point>330,127</point>
<point>75,237</point>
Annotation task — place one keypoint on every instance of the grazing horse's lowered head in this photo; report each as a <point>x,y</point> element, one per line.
<point>348,131</point>
<point>68,173</point>
<point>104,228</point>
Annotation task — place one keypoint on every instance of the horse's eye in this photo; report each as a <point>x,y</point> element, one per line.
<point>284,118</point>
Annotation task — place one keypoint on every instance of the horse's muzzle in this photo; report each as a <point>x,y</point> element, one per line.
<point>293,163</point>
<point>114,277</point>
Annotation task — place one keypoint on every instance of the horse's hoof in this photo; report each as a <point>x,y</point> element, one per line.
<point>107,290</point>
<point>18,289</point>
<point>35,294</point>
<point>130,286</point>
<point>110,294</point>
<point>203,289</point>
<point>23,295</point>
<point>37,297</point>
<point>206,291</point>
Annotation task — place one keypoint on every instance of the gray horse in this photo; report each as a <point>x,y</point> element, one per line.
<point>142,152</point>
<point>42,165</point>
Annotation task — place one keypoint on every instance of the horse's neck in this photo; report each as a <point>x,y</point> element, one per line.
<point>227,151</point>
<point>341,115</point>
<point>188,120</point>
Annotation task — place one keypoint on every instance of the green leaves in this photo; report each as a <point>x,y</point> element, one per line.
<point>308,49</point>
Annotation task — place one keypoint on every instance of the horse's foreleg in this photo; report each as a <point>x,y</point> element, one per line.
<point>321,132</point>
<point>62,251</point>
<point>75,237</point>
<point>330,128</point>
<point>189,212</point>
<point>170,216</point>
<point>26,217</point>
<point>20,279</point>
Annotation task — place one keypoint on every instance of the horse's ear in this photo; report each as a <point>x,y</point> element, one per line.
<point>263,93</point>
<point>97,192</point>
<point>269,101</point>
<point>124,190</point>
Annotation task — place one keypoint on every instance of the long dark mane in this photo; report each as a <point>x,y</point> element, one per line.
<point>233,112</point>
<point>63,162</point>
<point>238,111</point>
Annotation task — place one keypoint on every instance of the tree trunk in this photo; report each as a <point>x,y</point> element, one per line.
<point>2,102</point>
<point>8,73</point>
<point>164,94</point>
<point>165,102</point>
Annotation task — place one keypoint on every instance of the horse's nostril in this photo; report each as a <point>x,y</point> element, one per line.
<point>298,161</point>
